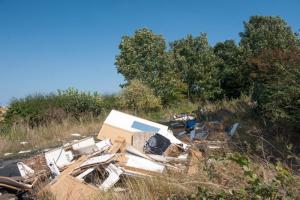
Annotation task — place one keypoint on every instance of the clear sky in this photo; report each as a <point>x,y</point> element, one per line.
<point>47,45</point>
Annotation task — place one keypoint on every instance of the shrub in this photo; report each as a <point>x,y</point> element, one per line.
<point>38,109</point>
<point>139,97</point>
<point>110,101</point>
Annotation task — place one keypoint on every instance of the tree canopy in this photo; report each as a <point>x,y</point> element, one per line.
<point>196,63</point>
<point>229,68</point>
<point>271,54</point>
<point>143,57</point>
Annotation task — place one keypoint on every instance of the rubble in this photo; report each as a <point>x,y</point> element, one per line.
<point>126,146</point>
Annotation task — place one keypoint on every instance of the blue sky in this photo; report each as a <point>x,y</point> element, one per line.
<point>47,45</point>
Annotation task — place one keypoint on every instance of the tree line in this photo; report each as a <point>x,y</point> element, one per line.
<point>265,65</point>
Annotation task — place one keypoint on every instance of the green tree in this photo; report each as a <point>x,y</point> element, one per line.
<point>229,68</point>
<point>196,63</point>
<point>262,34</point>
<point>143,57</point>
<point>272,64</point>
<point>267,32</point>
<point>277,88</point>
<point>139,97</point>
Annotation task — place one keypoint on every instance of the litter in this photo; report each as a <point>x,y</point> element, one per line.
<point>23,143</point>
<point>97,160</point>
<point>76,135</point>
<point>139,140</point>
<point>103,145</point>
<point>85,146</point>
<point>157,144</point>
<point>11,184</point>
<point>183,117</point>
<point>25,171</point>
<point>114,176</point>
<point>233,129</point>
<point>119,124</point>
<point>23,152</point>
<point>143,164</point>
<point>127,146</point>
<point>57,157</point>
<point>83,174</point>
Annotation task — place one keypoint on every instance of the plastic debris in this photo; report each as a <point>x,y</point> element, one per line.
<point>114,176</point>
<point>233,129</point>
<point>8,154</point>
<point>23,143</point>
<point>25,151</point>
<point>157,144</point>
<point>76,134</point>
<point>25,170</point>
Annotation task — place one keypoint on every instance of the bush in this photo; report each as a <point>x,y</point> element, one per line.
<point>77,103</point>
<point>38,109</point>
<point>139,97</point>
<point>110,101</point>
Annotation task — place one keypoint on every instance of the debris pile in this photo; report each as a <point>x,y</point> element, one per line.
<point>126,146</point>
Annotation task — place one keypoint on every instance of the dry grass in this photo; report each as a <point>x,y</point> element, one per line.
<point>174,185</point>
<point>45,195</point>
<point>2,112</point>
<point>46,136</point>
<point>220,177</point>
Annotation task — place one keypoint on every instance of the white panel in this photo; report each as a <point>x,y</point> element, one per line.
<point>125,121</point>
<point>86,142</point>
<point>144,164</point>
<point>98,159</point>
<point>57,156</point>
<point>103,145</point>
<point>114,176</point>
<point>24,170</point>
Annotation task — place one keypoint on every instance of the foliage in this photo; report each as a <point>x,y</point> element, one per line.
<point>196,63</point>
<point>229,68</point>
<point>272,66</point>
<point>277,188</point>
<point>143,57</point>
<point>267,32</point>
<point>110,101</point>
<point>75,102</point>
<point>139,97</point>
<point>277,87</point>
<point>36,110</point>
